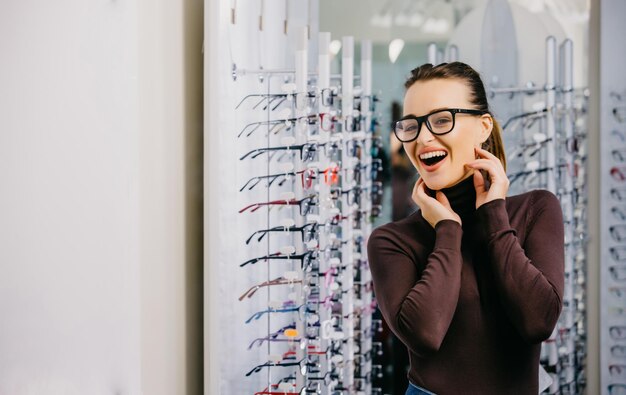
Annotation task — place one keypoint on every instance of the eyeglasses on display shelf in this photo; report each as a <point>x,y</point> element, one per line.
<point>307,177</point>
<point>548,150</point>
<point>316,171</point>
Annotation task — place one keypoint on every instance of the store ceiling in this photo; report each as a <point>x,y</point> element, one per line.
<point>421,20</point>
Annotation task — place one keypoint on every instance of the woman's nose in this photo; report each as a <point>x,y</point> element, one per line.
<point>424,134</point>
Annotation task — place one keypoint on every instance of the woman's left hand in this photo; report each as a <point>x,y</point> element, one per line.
<point>499,181</point>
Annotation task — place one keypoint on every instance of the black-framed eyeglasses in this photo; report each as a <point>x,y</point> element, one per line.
<point>304,364</point>
<point>308,231</point>
<point>304,258</point>
<point>438,122</point>
<point>307,151</point>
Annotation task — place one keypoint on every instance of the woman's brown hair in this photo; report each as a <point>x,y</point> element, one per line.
<point>478,97</point>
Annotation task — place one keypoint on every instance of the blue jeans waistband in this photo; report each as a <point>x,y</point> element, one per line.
<point>417,390</point>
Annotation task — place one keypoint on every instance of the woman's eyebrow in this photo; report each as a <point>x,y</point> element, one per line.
<point>429,112</point>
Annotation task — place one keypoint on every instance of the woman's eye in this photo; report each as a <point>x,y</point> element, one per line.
<point>442,121</point>
<point>410,128</point>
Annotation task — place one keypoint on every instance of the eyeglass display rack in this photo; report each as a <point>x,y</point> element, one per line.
<point>548,151</point>
<point>312,154</point>
<point>612,191</point>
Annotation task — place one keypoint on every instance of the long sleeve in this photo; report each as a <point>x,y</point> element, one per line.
<point>529,279</point>
<point>418,307</point>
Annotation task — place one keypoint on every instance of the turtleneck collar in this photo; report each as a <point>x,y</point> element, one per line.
<point>462,197</point>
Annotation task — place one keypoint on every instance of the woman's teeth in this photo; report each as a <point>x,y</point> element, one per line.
<point>432,154</point>
<point>433,157</point>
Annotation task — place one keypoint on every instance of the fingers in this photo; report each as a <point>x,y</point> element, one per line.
<point>499,182</point>
<point>443,199</point>
<point>485,154</point>
<point>420,196</point>
<point>421,192</point>
<point>418,193</point>
<point>485,164</point>
<point>479,182</point>
<point>433,209</point>
<point>494,168</point>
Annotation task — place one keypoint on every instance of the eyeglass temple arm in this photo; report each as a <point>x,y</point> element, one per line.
<point>273,336</point>
<point>254,180</point>
<point>524,115</point>
<point>256,126</point>
<point>246,98</point>
<point>259,151</point>
<point>253,234</point>
<point>254,288</point>
<point>258,179</point>
<point>277,281</point>
<point>266,97</point>
<point>257,315</point>
<point>276,255</point>
<point>273,202</point>
<point>274,229</point>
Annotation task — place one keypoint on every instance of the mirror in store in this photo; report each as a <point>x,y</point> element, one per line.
<point>530,54</point>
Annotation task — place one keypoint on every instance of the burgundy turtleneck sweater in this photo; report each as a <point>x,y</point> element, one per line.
<point>472,303</point>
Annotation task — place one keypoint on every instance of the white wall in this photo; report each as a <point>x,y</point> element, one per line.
<point>100,252</point>
<point>170,152</point>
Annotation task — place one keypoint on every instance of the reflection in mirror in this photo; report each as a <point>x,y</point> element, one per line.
<point>506,41</point>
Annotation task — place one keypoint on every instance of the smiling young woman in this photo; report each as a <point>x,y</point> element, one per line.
<point>472,282</point>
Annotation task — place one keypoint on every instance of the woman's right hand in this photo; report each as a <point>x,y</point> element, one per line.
<point>433,209</point>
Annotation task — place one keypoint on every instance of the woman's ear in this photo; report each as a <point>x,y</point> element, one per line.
<point>486,123</point>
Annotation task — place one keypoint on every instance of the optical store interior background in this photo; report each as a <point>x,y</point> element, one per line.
<point>149,179</point>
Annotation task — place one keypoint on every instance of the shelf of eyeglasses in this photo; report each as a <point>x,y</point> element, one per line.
<point>315,387</point>
<point>310,296</point>
<point>355,196</point>
<point>311,308</point>
<point>305,100</point>
<point>529,149</point>
<point>310,359</point>
<point>309,235</point>
<point>314,173</point>
<point>311,370</point>
<point>309,259</point>
<point>617,293</point>
<point>334,149</point>
<point>327,330</point>
<point>331,252</point>
<point>308,364</point>
<point>312,124</point>
<point>533,172</point>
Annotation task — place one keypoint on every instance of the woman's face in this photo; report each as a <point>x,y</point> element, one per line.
<point>469,131</point>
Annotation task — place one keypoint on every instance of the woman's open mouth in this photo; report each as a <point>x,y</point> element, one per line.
<point>430,160</point>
